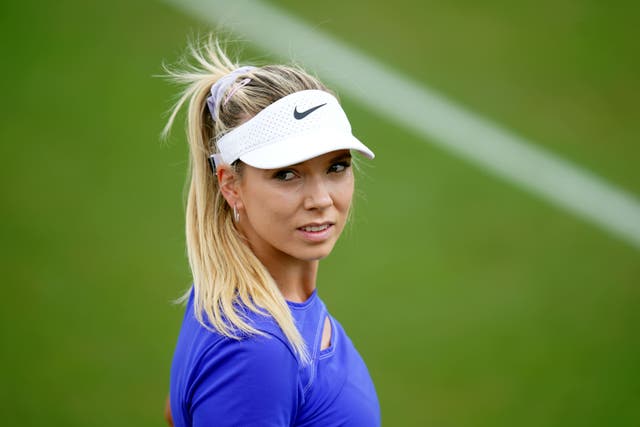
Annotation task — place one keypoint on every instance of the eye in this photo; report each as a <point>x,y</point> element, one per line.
<point>284,175</point>
<point>340,166</point>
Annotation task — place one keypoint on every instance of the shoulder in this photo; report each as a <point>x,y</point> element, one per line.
<point>253,381</point>
<point>265,356</point>
<point>199,338</point>
<point>214,377</point>
<point>249,351</point>
<point>219,380</point>
<point>201,349</point>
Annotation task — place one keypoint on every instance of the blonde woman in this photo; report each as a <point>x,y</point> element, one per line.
<point>270,190</point>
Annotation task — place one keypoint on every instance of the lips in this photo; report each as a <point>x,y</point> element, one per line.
<point>316,231</point>
<point>315,228</point>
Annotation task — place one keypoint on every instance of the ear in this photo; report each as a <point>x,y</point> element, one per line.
<point>229,185</point>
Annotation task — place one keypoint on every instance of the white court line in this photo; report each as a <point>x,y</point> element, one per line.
<point>416,107</point>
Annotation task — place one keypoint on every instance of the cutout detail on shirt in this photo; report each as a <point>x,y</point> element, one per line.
<point>326,334</point>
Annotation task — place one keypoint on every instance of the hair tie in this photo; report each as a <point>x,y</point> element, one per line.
<point>235,89</point>
<point>220,87</point>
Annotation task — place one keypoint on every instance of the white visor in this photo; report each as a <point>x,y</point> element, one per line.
<point>293,129</point>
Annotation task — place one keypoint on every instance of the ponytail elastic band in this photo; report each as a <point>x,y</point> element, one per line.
<point>235,89</point>
<point>220,87</point>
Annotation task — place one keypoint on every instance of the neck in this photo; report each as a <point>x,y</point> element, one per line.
<point>296,279</point>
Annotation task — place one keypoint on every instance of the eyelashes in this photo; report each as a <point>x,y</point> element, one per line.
<point>284,175</point>
<point>340,166</point>
<point>290,174</point>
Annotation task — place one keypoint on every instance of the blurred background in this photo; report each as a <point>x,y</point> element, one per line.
<point>473,302</point>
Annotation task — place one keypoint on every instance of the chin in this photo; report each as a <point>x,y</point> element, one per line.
<point>315,254</point>
<point>313,257</point>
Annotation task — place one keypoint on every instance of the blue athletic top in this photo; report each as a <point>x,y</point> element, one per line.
<point>258,381</point>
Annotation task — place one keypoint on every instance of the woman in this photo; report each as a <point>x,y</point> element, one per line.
<point>271,185</point>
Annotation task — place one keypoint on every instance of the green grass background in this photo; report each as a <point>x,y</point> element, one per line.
<point>473,303</point>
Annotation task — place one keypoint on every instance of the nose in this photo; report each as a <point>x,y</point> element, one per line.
<point>317,195</point>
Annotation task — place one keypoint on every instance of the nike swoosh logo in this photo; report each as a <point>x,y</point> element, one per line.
<point>299,115</point>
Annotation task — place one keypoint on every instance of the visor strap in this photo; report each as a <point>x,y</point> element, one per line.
<point>215,160</point>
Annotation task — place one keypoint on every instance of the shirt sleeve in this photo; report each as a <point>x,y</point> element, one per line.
<point>249,382</point>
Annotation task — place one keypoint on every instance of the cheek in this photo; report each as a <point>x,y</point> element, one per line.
<point>267,207</point>
<point>343,194</point>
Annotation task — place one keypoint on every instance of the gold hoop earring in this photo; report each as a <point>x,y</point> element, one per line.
<point>236,214</point>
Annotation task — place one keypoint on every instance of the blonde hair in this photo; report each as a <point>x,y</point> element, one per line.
<point>226,273</point>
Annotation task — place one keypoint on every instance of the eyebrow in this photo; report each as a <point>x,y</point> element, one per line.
<point>345,156</point>
<point>340,157</point>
